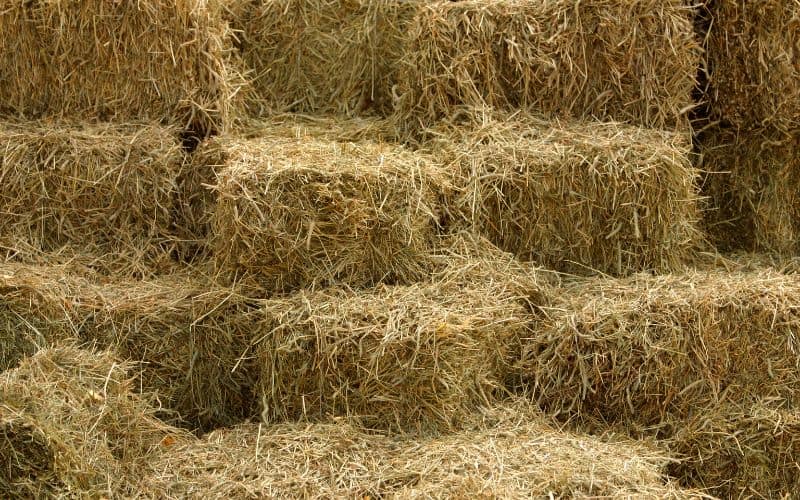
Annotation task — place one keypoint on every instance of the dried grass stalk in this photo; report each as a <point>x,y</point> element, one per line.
<point>324,55</point>
<point>753,55</point>
<point>575,196</point>
<point>294,212</point>
<point>630,61</point>
<point>163,61</point>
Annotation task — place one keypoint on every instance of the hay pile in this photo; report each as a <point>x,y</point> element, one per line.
<point>324,55</point>
<point>150,59</point>
<point>69,425</point>
<point>653,351</point>
<point>106,188</point>
<point>295,212</point>
<point>575,196</point>
<point>625,61</point>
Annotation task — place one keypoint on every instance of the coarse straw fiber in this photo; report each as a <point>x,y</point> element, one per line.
<point>323,55</point>
<point>653,351</point>
<point>579,197</point>
<point>752,180</point>
<point>633,61</point>
<point>753,59</point>
<point>294,212</point>
<point>109,188</point>
<point>163,61</point>
<point>70,426</point>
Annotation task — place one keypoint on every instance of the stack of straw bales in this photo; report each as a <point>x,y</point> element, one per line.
<point>630,61</point>
<point>576,196</point>
<point>292,212</point>
<point>753,59</point>
<point>156,60</point>
<point>323,55</point>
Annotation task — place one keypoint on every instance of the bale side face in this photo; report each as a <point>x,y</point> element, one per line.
<point>578,197</point>
<point>625,61</point>
<point>296,212</point>
<point>151,59</point>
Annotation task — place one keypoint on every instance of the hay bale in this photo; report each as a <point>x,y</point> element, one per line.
<point>753,180</point>
<point>70,425</point>
<point>624,61</point>
<point>162,61</point>
<point>651,351</point>
<point>295,212</point>
<point>753,59</point>
<point>399,357</point>
<point>111,188</point>
<point>323,56</point>
<point>576,197</point>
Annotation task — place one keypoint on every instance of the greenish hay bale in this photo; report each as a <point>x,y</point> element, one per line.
<point>69,425</point>
<point>652,351</point>
<point>163,61</point>
<point>752,181</point>
<point>399,357</point>
<point>739,451</point>
<point>630,61</point>
<point>575,197</point>
<point>753,58</point>
<point>296,212</point>
<point>323,55</point>
<point>109,188</point>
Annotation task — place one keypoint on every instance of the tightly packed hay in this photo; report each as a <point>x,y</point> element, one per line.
<point>753,182</point>
<point>294,212</point>
<point>651,351</point>
<point>624,61</point>
<point>70,425</point>
<point>323,55</point>
<point>576,197</point>
<point>400,357</point>
<point>110,188</point>
<point>156,60</point>
<point>753,57</point>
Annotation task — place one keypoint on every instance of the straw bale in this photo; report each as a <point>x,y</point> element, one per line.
<point>576,197</point>
<point>295,212</point>
<point>753,180</point>
<point>111,188</point>
<point>633,61</point>
<point>401,357</point>
<point>753,58</point>
<point>69,425</point>
<point>651,351</point>
<point>324,55</point>
<point>150,59</point>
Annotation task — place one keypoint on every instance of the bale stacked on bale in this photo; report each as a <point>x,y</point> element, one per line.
<point>652,351</point>
<point>163,61</point>
<point>576,196</point>
<point>324,55</point>
<point>624,61</point>
<point>294,212</point>
<point>107,187</point>
<point>69,425</point>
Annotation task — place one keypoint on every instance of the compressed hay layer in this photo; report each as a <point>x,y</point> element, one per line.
<point>630,61</point>
<point>650,351</point>
<point>741,451</point>
<point>294,212</point>
<point>753,182</point>
<point>753,58</point>
<point>150,59</point>
<point>109,187</point>
<point>576,197</point>
<point>399,357</point>
<point>70,425</point>
<point>323,55</point>
<point>513,454</point>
